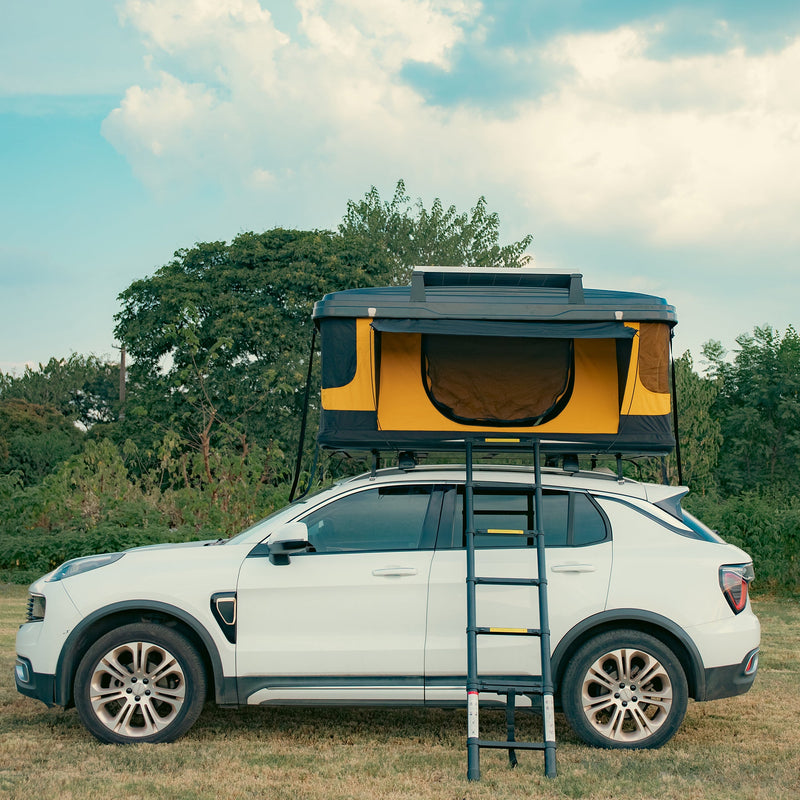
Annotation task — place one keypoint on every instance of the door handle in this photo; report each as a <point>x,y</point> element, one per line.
<point>394,572</point>
<point>574,568</point>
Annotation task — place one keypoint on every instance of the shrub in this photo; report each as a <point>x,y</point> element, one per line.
<point>767,527</point>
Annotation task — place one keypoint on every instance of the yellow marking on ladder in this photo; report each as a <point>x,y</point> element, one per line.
<point>508,630</point>
<point>506,530</point>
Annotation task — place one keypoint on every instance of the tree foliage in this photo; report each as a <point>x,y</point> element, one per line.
<point>219,337</point>
<point>415,236</point>
<point>84,389</point>
<point>34,439</point>
<point>758,403</point>
<point>698,428</point>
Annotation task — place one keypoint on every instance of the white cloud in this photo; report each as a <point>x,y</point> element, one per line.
<point>700,149</point>
<point>391,32</point>
<point>685,150</point>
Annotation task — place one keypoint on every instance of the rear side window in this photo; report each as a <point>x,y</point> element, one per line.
<point>505,518</point>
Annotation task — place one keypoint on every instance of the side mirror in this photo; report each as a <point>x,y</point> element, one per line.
<point>289,540</point>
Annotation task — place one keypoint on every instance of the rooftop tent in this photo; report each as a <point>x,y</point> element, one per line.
<point>493,354</point>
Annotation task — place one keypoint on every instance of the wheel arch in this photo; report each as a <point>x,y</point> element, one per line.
<point>660,627</point>
<point>110,617</point>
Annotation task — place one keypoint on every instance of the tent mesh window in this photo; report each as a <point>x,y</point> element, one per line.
<point>654,357</point>
<point>501,381</point>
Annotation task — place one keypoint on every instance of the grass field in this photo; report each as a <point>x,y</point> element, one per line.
<point>745,747</point>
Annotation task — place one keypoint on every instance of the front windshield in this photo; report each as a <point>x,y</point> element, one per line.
<point>282,514</point>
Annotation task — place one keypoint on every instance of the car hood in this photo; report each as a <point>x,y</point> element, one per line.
<point>176,545</point>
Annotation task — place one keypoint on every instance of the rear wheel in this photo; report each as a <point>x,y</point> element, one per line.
<point>624,689</point>
<point>140,683</point>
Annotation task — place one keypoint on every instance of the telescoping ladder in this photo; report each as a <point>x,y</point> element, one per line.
<point>511,689</point>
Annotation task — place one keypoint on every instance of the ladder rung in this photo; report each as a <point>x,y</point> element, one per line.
<point>508,581</point>
<point>492,745</point>
<point>510,631</point>
<point>504,532</point>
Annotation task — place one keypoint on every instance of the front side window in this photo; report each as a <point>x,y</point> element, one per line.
<point>505,518</point>
<point>382,518</point>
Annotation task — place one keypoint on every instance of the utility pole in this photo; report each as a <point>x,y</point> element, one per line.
<point>122,382</point>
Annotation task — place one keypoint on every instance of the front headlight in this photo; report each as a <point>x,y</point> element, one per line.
<point>76,566</point>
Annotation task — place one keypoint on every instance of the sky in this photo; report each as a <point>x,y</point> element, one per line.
<point>651,146</point>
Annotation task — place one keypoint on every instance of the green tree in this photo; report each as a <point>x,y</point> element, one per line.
<point>415,236</point>
<point>220,336</point>
<point>699,429</point>
<point>34,439</point>
<point>759,407</point>
<point>84,389</point>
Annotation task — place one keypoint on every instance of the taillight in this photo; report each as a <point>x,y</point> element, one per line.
<point>734,580</point>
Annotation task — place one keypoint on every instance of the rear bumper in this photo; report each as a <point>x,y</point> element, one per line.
<point>731,680</point>
<point>39,686</point>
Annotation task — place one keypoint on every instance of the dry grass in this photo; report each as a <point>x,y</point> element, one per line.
<point>747,747</point>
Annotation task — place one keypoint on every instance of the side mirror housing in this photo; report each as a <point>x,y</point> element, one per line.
<point>289,540</point>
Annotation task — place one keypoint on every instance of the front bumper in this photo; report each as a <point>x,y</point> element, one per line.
<point>39,686</point>
<point>731,680</point>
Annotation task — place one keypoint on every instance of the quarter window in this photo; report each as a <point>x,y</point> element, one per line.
<point>588,524</point>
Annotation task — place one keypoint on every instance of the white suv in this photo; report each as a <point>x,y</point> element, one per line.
<point>357,595</point>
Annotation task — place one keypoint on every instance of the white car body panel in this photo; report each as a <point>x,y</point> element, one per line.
<point>572,596</point>
<point>178,576</point>
<point>333,615</point>
<point>43,645</point>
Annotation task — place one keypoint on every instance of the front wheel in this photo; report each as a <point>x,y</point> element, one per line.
<point>140,683</point>
<point>624,689</point>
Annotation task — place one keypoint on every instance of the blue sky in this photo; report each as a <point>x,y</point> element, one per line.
<point>653,146</point>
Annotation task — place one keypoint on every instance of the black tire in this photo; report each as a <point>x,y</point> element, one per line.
<point>140,683</point>
<point>605,702</point>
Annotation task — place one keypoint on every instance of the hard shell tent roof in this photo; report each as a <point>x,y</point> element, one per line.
<point>500,353</point>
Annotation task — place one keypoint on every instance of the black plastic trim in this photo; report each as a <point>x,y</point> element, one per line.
<point>40,686</point>
<point>506,329</point>
<point>69,657</point>
<point>223,608</point>
<point>622,617</point>
<point>353,430</point>
<point>728,681</point>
